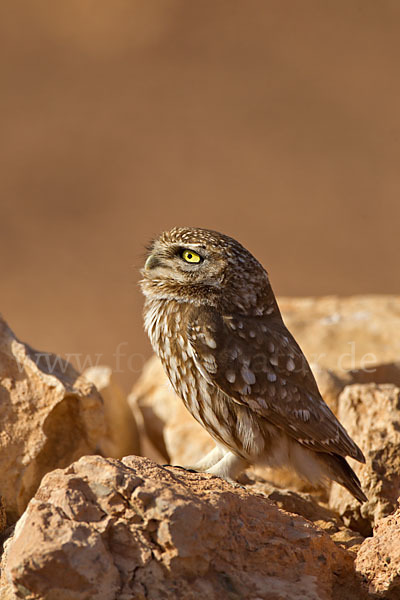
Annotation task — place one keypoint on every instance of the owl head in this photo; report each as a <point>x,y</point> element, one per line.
<point>203,266</point>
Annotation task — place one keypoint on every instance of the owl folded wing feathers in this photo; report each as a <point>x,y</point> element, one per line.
<point>257,363</point>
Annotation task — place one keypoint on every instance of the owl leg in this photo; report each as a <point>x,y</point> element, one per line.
<point>229,467</point>
<point>210,459</point>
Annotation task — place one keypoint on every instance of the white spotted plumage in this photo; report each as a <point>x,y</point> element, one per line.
<point>218,331</point>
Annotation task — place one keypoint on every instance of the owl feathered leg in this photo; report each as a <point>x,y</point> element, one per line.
<point>210,459</point>
<point>222,463</point>
<point>229,467</point>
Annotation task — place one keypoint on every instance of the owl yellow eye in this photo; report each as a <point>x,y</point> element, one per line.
<point>191,257</point>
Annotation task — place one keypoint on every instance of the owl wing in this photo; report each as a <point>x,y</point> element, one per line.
<point>257,363</point>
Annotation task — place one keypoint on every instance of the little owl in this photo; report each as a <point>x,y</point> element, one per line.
<point>213,320</point>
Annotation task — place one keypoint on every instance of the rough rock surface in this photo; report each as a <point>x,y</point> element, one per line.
<point>102,529</point>
<point>50,416</point>
<point>153,403</point>
<point>345,333</point>
<point>371,415</point>
<point>378,560</point>
<point>122,436</point>
<point>307,506</point>
<point>331,384</point>
<point>3,516</point>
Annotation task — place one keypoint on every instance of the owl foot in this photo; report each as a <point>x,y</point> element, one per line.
<point>229,468</point>
<point>188,469</point>
<point>234,483</point>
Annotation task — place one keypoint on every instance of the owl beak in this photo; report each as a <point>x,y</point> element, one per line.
<point>152,262</point>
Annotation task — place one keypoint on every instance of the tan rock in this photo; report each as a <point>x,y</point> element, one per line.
<point>185,439</point>
<point>307,506</point>
<point>104,529</point>
<point>50,416</point>
<point>153,403</point>
<point>381,373</point>
<point>371,415</point>
<point>122,436</point>
<point>378,560</point>
<point>331,384</point>
<point>3,516</point>
<point>342,334</point>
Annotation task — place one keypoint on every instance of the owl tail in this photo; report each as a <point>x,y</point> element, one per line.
<point>340,471</point>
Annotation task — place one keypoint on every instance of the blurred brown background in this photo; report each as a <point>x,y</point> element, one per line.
<point>274,121</point>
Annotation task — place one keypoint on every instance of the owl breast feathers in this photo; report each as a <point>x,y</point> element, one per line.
<point>213,320</point>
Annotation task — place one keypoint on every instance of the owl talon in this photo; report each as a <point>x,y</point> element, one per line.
<point>234,483</point>
<point>188,469</point>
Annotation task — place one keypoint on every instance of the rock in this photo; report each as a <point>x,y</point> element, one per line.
<point>306,505</point>
<point>344,334</point>
<point>331,383</point>
<point>3,516</point>
<point>378,560</point>
<point>50,416</point>
<point>153,403</point>
<point>382,373</point>
<point>371,415</point>
<point>106,530</point>
<point>122,436</point>
<point>186,440</point>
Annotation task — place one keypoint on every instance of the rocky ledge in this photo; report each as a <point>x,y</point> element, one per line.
<point>105,529</point>
<point>79,522</point>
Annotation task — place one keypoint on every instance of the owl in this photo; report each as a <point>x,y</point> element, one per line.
<point>213,320</point>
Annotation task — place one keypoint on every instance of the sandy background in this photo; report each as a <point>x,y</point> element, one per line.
<point>277,122</point>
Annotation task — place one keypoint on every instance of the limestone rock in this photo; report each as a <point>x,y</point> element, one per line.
<point>106,530</point>
<point>381,373</point>
<point>371,415</point>
<point>3,516</point>
<point>50,416</point>
<point>122,436</point>
<point>307,506</point>
<point>331,384</point>
<point>153,403</point>
<point>185,439</point>
<point>378,560</point>
<point>344,334</point>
